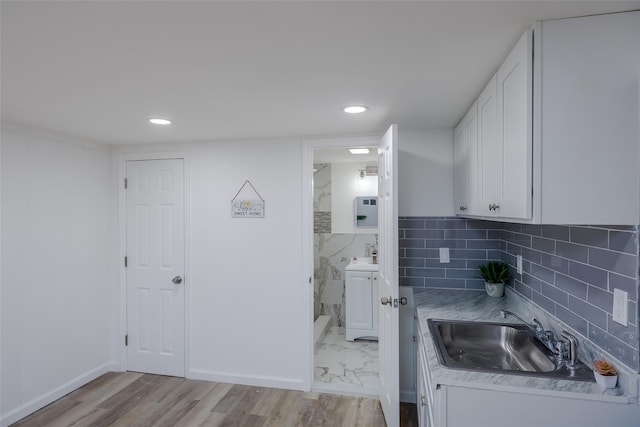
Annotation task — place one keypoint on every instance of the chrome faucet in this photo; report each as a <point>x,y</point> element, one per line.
<point>564,350</point>
<point>504,313</point>
<point>545,337</point>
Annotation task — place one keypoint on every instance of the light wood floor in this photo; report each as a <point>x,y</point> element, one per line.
<point>134,399</point>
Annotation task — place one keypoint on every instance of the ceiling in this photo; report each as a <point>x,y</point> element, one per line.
<point>97,70</point>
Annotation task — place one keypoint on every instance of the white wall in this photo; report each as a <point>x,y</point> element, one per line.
<point>58,281</point>
<point>248,312</point>
<point>346,185</point>
<point>248,319</point>
<point>425,164</point>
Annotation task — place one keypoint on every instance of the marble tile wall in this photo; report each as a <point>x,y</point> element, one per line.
<point>332,252</point>
<point>570,271</point>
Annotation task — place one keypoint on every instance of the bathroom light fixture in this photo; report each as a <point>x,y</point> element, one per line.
<point>158,121</point>
<point>359,150</point>
<point>355,109</point>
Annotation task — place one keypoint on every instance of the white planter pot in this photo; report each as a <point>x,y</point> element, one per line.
<point>495,290</point>
<point>606,381</point>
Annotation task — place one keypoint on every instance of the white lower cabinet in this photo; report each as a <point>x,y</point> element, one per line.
<point>478,404</point>
<point>361,296</point>
<point>424,396</point>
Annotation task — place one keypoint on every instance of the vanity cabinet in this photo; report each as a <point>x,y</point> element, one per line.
<point>558,128</point>
<point>361,296</point>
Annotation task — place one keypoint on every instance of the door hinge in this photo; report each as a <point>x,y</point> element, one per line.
<point>125,261</point>
<point>415,339</point>
<point>126,340</point>
<point>125,183</point>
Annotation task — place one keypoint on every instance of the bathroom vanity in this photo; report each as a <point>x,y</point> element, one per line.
<point>361,294</point>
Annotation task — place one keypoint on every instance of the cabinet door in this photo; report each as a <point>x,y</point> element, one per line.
<point>359,300</point>
<point>421,395</point>
<point>505,137</point>
<point>375,324</point>
<point>514,131</point>
<point>466,163</point>
<point>489,151</point>
<point>460,168</point>
<point>589,121</point>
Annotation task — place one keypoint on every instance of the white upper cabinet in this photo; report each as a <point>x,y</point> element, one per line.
<point>514,81</point>
<point>588,127</point>
<point>466,163</point>
<point>489,150</point>
<point>504,137</point>
<point>558,126</point>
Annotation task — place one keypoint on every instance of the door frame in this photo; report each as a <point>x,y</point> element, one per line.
<point>121,167</point>
<point>308,148</point>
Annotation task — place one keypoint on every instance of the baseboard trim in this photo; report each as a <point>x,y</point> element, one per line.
<point>40,402</point>
<point>258,381</point>
<point>407,396</point>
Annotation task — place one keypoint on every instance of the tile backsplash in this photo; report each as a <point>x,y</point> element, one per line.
<point>570,271</point>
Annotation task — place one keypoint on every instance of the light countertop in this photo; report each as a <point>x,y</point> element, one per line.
<point>478,306</point>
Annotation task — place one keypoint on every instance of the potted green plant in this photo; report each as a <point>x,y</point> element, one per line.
<point>495,274</point>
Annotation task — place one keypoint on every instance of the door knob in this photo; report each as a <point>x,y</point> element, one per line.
<point>385,300</point>
<point>403,300</point>
<point>177,280</point>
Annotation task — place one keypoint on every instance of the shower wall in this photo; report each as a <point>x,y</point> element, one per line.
<point>332,252</point>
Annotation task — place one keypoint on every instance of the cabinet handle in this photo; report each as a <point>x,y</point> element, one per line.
<point>462,208</point>
<point>493,207</point>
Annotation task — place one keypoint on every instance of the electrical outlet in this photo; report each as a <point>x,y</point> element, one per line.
<point>444,256</point>
<point>620,307</point>
<point>519,263</point>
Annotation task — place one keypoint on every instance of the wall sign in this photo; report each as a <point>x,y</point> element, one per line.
<point>247,208</point>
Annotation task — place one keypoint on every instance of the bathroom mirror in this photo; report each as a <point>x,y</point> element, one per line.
<point>366,211</point>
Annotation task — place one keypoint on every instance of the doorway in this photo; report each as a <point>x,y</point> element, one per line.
<point>154,266</point>
<point>342,363</point>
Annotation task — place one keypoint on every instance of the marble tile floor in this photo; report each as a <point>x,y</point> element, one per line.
<point>344,367</point>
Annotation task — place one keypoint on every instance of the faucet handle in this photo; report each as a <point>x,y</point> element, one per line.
<point>549,335</point>
<point>561,350</point>
<point>539,327</point>
<point>573,347</point>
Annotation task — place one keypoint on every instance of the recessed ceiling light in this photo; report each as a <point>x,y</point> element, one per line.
<point>157,121</point>
<point>355,109</point>
<point>359,150</point>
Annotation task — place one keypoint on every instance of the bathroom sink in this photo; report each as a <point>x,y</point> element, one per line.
<point>498,348</point>
<point>361,266</point>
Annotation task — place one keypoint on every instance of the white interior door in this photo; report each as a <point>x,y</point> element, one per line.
<point>155,266</point>
<point>389,340</point>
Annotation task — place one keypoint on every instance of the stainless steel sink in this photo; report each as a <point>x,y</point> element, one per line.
<point>498,348</point>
